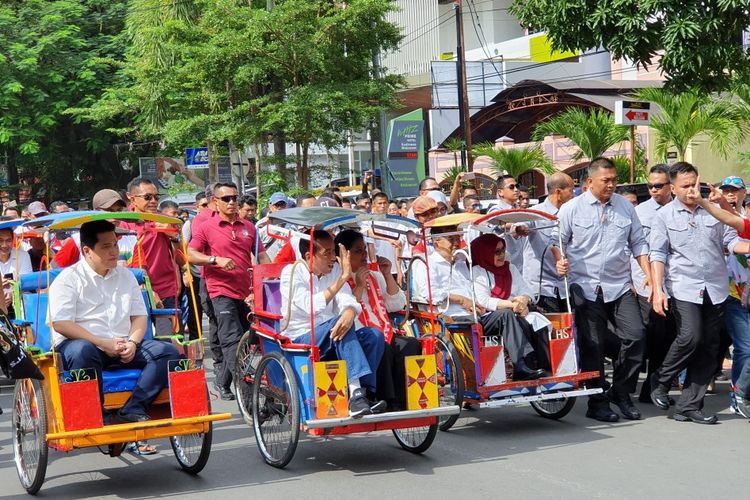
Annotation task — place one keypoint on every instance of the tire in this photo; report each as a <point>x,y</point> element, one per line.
<point>416,439</point>
<point>275,410</point>
<point>248,357</point>
<point>450,379</point>
<point>30,434</point>
<point>554,409</point>
<point>192,450</point>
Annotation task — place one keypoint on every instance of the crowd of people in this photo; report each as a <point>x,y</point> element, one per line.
<point>658,287</point>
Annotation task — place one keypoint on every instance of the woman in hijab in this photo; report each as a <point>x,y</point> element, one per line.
<point>499,286</point>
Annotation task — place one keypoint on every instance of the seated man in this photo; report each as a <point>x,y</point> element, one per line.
<point>450,282</point>
<point>99,320</point>
<point>334,309</point>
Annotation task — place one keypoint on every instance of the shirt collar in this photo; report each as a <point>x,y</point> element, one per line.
<point>89,271</point>
<point>552,208</point>
<point>589,197</point>
<point>680,207</point>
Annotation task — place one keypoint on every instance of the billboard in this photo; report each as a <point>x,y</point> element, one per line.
<point>405,165</point>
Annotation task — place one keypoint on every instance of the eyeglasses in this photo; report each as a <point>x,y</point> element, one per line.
<point>477,206</point>
<point>228,198</point>
<point>512,187</point>
<point>733,181</point>
<point>436,188</point>
<point>281,204</point>
<point>203,205</point>
<point>500,252</point>
<point>148,196</point>
<point>656,186</point>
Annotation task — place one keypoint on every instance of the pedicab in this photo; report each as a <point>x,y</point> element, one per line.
<point>284,387</point>
<point>473,369</point>
<point>60,411</point>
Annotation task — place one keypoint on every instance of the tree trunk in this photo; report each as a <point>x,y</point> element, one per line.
<point>279,149</point>
<point>305,168</point>
<point>213,162</point>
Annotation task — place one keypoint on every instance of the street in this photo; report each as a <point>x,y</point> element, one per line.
<point>498,453</point>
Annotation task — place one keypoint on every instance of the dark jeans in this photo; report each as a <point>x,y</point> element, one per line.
<point>506,323</point>
<point>660,333</point>
<point>591,322</point>
<point>152,357</point>
<point>231,324</point>
<point>694,348</point>
<point>391,372</point>
<point>213,337</point>
<point>164,325</point>
<point>193,306</point>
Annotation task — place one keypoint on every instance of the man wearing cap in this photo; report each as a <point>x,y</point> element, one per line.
<point>736,317</point>
<point>277,201</point>
<point>224,246</point>
<point>37,209</point>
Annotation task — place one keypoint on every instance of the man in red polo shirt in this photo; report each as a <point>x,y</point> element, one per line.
<point>224,245</point>
<point>154,251</point>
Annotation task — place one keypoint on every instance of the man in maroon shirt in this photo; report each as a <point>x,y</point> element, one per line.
<point>224,245</point>
<point>155,251</point>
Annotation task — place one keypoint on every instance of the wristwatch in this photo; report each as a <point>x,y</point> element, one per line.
<point>136,344</point>
<point>212,260</point>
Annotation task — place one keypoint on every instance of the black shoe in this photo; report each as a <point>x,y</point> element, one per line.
<point>528,374</point>
<point>378,406</point>
<point>358,404</point>
<point>659,395</point>
<point>224,392</point>
<point>626,406</point>
<point>696,416</point>
<point>743,406</point>
<point>603,414</point>
<point>132,417</point>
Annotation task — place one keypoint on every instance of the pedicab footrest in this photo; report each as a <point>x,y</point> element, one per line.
<point>79,393</point>
<point>442,411</point>
<point>331,399</point>
<point>187,389</point>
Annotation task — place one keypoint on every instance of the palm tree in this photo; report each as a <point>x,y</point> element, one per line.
<point>454,145</point>
<point>515,161</point>
<point>592,131</point>
<point>687,115</point>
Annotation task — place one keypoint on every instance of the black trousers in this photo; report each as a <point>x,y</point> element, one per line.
<point>547,304</point>
<point>694,348</point>
<point>660,333</point>
<point>193,305</point>
<point>513,330</point>
<point>391,373</point>
<point>231,324</point>
<point>591,322</point>
<point>213,338</point>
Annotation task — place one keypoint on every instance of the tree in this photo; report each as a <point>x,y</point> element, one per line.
<point>698,43</point>
<point>515,161</point>
<point>56,55</point>
<point>687,115</point>
<point>592,131</point>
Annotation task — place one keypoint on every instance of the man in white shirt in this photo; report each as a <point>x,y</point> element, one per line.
<point>12,264</point>
<point>334,310</point>
<point>99,320</point>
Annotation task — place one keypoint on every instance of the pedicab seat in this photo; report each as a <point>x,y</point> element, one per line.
<point>272,296</point>
<point>35,304</point>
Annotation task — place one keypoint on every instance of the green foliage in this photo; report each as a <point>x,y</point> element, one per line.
<point>623,167</point>
<point>515,161</point>
<point>697,43</point>
<point>686,115</point>
<point>592,131</point>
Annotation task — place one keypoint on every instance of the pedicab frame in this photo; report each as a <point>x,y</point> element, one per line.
<point>283,387</point>
<point>43,409</point>
<point>483,372</point>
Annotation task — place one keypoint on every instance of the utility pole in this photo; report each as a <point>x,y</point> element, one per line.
<point>464,117</point>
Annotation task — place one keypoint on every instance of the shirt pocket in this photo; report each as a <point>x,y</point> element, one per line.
<point>622,226</point>
<point>679,236</point>
<point>583,228</point>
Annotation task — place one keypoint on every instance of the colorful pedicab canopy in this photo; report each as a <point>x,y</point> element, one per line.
<point>331,217</point>
<point>73,220</point>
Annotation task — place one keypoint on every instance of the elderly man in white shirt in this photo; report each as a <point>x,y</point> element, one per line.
<point>99,320</point>
<point>334,310</point>
<point>450,282</point>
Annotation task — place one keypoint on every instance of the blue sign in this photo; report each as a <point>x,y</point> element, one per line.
<point>196,157</point>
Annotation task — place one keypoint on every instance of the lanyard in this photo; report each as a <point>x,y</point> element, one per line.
<point>379,319</point>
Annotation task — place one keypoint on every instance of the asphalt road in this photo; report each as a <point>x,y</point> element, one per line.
<point>500,453</point>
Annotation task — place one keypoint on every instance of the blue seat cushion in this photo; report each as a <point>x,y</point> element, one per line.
<point>31,282</point>
<point>120,380</point>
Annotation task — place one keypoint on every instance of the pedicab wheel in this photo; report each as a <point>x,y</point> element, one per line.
<point>416,439</point>
<point>30,434</point>
<point>248,357</point>
<point>275,410</point>
<point>450,379</point>
<point>554,408</point>
<point>192,450</point>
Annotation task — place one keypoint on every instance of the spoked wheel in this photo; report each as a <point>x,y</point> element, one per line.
<point>554,408</point>
<point>248,357</point>
<point>192,450</point>
<point>275,410</point>
<point>450,379</point>
<point>416,439</point>
<point>30,434</point>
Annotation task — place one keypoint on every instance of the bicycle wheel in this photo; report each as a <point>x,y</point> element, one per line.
<point>248,357</point>
<point>416,439</point>
<point>275,410</point>
<point>554,408</point>
<point>192,450</point>
<point>30,434</point>
<point>450,379</point>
